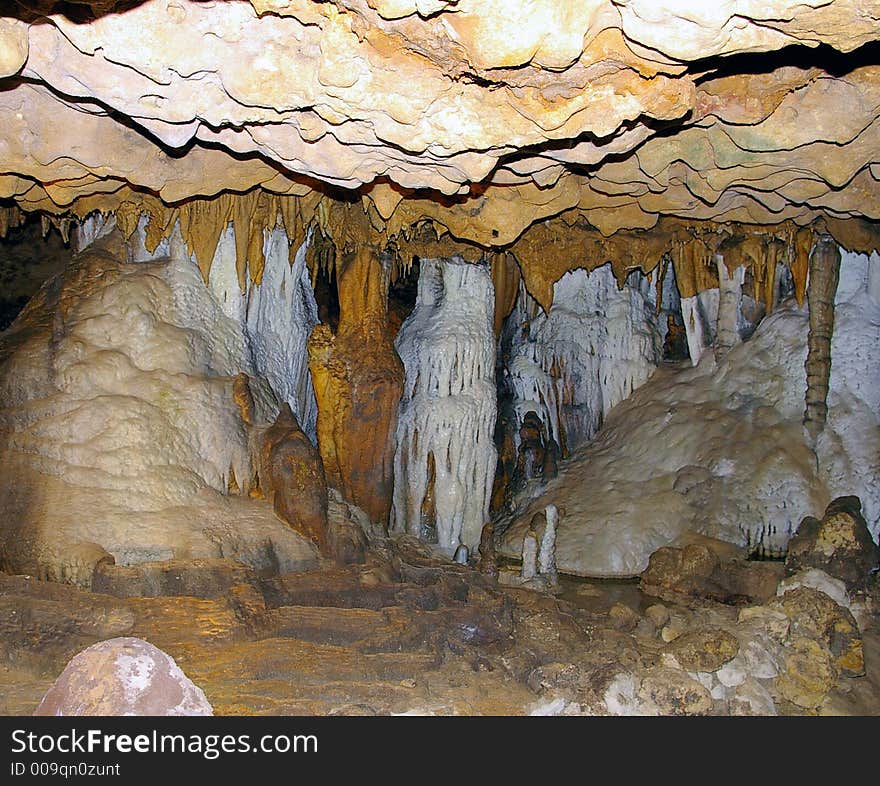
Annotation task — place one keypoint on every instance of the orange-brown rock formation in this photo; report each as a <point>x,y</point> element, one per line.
<point>358,380</point>
<point>292,476</point>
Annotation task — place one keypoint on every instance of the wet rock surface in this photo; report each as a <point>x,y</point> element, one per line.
<point>407,632</point>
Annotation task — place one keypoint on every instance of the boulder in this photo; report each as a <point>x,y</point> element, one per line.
<point>347,543</point>
<point>758,657</point>
<point>840,544</point>
<point>815,616</point>
<point>818,580</point>
<point>123,676</point>
<point>672,692</point>
<point>698,570</point>
<point>752,698</point>
<point>703,650</point>
<point>622,617</point>
<point>809,673</point>
<point>771,621</point>
<point>684,571</point>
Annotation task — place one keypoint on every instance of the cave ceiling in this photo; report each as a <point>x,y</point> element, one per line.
<point>479,119</point>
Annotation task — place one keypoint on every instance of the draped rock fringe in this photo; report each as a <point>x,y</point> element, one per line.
<point>10,218</point>
<point>448,408</point>
<point>573,368</point>
<point>408,229</point>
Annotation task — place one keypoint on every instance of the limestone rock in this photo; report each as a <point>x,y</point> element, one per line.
<point>488,563</point>
<point>752,698</point>
<point>749,449</point>
<point>13,46</point>
<point>358,380</point>
<point>697,571</point>
<point>658,614</point>
<point>124,676</point>
<point>666,691</point>
<point>758,658</point>
<point>704,650</point>
<point>752,581</point>
<point>809,673</point>
<point>771,621</point>
<point>818,580</point>
<point>409,92</point>
<point>687,571</point>
<point>840,544</point>
<point>537,455</point>
<point>816,616</point>
<point>193,578</point>
<point>623,617</point>
<point>119,433</point>
<point>620,697</point>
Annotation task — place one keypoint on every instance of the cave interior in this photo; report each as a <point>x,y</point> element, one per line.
<point>454,357</point>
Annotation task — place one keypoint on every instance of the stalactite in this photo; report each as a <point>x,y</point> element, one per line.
<point>802,243</point>
<point>824,275</point>
<point>505,281</point>
<point>10,218</point>
<point>769,259</point>
<point>281,313</point>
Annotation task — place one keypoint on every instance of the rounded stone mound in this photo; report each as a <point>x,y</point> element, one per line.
<point>123,676</point>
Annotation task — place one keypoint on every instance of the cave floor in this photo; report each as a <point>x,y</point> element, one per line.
<point>404,633</point>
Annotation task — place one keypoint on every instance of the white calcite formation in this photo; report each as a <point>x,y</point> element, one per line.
<point>118,428</point>
<point>281,313</point>
<point>693,327</point>
<point>720,449</point>
<point>275,317</point>
<point>448,408</point>
<point>596,345</point>
<point>729,298</point>
<point>848,448</point>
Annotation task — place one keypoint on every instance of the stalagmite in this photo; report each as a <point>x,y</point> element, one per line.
<point>547,544</point>
<point>730,292</point>
<point>693,328</point>
<point>529,557</point>
<point>358,379</point>
<point>448,409</point>
<point>292,476</point>
<point>824,275</point>
<point>488,564</point>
